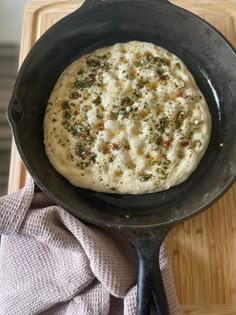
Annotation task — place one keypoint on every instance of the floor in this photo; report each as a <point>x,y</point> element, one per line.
<point>8,71</point>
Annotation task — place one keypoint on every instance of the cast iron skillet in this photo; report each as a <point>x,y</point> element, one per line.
<point>144,219</point>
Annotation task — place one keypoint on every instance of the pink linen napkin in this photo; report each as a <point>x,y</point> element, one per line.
<point>51,263</point>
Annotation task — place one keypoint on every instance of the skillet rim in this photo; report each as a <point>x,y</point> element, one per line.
<point>98,221</point>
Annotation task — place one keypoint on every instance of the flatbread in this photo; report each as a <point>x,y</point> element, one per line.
<point>128,118</point>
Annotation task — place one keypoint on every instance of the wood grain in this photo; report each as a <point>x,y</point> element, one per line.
<point>209,309</point>
<point>203,249</point>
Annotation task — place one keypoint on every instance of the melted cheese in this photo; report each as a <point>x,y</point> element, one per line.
<point>126,119</point>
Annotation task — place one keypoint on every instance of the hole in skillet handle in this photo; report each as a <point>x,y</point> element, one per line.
<point>150,287</point>
<point>15,112</point>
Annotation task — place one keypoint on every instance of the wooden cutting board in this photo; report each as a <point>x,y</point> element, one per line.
<point>203,249</point>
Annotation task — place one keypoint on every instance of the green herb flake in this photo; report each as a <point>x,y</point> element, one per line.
<point>157,58</point>
<point>141,83</point>
<point>179,119</point>
<point>85,83</point>
<point>114,115</point>
<point>93,158</point>
<point>98,100</point>
<point>65,105</point>
<point>80,72</point>
<point>111,159</point>
<point>66,115</point>
<point>73,130</point>
<point>145,177</point>
<point>74,95</point>
<point>138,63</point>
<point>81,151</point>
<point>163,124</point>
<point>126,101</point>
<point>93,62</point>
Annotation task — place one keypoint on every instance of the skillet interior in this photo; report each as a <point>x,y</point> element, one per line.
<point>210,59</point>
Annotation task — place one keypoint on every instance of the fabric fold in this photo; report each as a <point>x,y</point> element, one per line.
<point>14,209</point>
<point>51,263</point>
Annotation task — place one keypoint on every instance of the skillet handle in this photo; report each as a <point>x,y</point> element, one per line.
<point>158,293</point>
<point>150,284</point>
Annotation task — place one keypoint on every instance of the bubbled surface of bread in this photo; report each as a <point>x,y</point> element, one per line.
<point>126,119</point>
